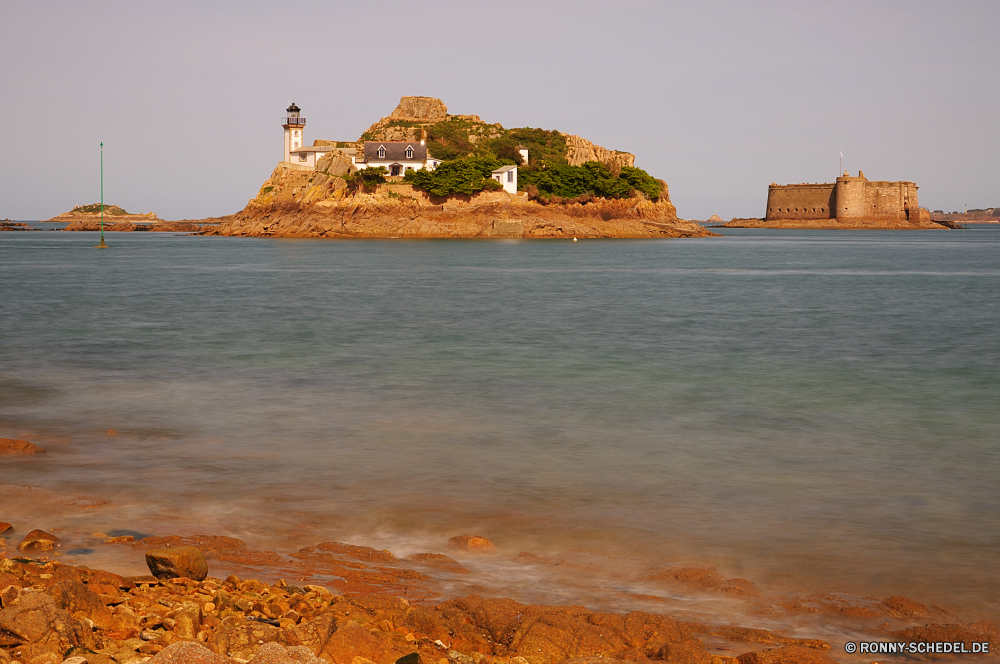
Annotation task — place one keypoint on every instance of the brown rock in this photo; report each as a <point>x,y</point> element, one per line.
<point>188,652</point>
<point>704,578</point>
<point>241,638</point>
<point>70,594</point>
<point>38,540</point>
<point>32,618</point>
<point>420,108</point>
<point>4,527</point>
<point>364,553</point>
<point>474,543</point>
<point>352,640</point>
<point>316,632</point>
<point>786,655</point>
<point>182,561</point>
<point>272,653</point>
<point>438,561</point>
<point>10,446</point>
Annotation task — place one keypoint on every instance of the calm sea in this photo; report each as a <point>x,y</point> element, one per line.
<point>816,411</point>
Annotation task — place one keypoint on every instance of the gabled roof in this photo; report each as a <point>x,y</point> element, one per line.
<point>504,169</point>
<point>314,148</point>
<point>395,151</point>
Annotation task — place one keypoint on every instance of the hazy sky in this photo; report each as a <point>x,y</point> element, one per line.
<point>717,98</point>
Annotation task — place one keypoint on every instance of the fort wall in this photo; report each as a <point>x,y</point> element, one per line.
<point>849,200</point>
<point>800,201</point>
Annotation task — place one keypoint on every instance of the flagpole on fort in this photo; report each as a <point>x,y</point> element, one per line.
<point>102,245</point>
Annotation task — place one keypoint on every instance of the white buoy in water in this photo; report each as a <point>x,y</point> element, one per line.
<point>574,239</point>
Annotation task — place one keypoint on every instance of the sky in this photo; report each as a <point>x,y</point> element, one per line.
<point>717,98</point>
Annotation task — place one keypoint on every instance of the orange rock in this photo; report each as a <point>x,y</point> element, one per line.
<point>4,527</point>
<point>438,561</point>
<point>704,578</point>
<point>182,561</point>
<point>474,543</point>
<point>364,553</point>
<point>38,540</point>
<point>352,640</point>
<point>188,652</point>
<point>12,447</point>
<point>786,655</point>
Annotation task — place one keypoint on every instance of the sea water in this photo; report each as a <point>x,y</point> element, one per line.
<point>818,411</point>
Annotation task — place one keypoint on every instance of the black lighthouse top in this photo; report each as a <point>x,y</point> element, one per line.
<point>292,117</point>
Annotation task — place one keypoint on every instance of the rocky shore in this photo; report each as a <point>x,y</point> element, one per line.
<point>374,608</point>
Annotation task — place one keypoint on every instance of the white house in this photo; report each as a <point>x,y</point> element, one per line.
<point>398,156</point>
<point>507,176</point>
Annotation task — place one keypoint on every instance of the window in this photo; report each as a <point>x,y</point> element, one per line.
<point>409,152</point>
<point>381,152</point>
<point>302,156</point>
<point>510,176</point>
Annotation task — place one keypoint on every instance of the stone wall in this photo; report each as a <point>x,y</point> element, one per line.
<point>800,201</point>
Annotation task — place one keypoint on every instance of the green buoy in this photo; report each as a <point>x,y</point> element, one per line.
<point>102,245</point>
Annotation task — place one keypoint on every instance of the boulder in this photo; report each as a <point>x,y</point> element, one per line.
<point>188,652</point>
<point>474,543</point>
<point>38,540</point>
<point>181,561</point>
<point>12,447</point>
<point>352,640</point>
<point>4,527</point>
<point>73,596</point>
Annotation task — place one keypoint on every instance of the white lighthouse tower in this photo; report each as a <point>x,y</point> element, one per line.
<point>294,126</point>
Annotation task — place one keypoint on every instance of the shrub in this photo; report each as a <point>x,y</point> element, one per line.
<point>366,179</point>
<point>459,176</point>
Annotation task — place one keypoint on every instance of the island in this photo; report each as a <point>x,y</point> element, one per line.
<point>423,173</point>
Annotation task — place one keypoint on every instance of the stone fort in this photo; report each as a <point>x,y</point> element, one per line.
<point>848,200</point>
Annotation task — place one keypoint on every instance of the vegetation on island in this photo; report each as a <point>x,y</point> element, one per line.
<point>467,175</point>
<point>95,208</point>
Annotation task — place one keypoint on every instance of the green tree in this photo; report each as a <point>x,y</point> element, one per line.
<point>468,175</point>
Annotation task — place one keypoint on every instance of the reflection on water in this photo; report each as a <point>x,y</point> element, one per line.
<point>812,410</point>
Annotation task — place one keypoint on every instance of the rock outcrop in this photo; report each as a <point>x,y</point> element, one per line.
<point>580,151</point>
<point>420,108</point>
<point>297,202</point>
<point>14,447</point>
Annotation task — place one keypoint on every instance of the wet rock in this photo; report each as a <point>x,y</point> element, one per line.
<point>786,655</point>
<point>363,553</point>
<point>12,447</point>
<point>188,652</point>
<point>704,578</point>
<point>474,543</point>
<point>38,540</point>
<point>4,527</point>
<point>182,561</point>
<point>272,653</point>
<point>438,561</point>
<point>209,544</point>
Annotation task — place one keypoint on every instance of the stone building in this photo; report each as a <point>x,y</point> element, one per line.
<point>848,200</point>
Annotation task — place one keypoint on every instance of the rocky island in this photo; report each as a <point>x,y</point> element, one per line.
<point>422,173</point>
<point>88,218</point>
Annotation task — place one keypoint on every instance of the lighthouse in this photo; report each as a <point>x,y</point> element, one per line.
<point>294,126</point>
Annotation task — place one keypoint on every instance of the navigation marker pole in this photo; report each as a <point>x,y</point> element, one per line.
<point>102,245</point>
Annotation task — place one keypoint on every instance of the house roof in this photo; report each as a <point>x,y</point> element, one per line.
<point>394,151</point>
<point>504,169</point>
<point>313,148</point>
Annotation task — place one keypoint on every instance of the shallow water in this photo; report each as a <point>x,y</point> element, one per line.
<point>813,410</point>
